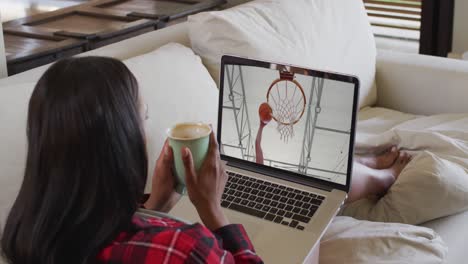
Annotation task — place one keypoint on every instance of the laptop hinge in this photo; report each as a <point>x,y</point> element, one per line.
<point>304,180</point>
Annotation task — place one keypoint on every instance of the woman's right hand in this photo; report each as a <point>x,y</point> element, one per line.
<point>206,187</point>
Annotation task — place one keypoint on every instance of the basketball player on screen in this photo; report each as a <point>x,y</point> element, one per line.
<point>265,113</point>
<point>372,174</point>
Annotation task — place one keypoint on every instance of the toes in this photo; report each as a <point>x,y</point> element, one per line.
<point>391,155</point>
<point>391,150</point>
<point>394,152</point>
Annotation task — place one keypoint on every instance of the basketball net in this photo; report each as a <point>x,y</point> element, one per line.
<point>288,107</point>
<point>286,113</point>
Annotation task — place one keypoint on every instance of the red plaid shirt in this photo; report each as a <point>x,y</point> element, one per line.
<point>163,240</point>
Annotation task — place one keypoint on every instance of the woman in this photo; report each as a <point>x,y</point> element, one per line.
<point>86,172</point>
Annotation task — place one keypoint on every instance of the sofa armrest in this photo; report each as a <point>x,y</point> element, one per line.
<point>3,65</point>
<point>421,84</point>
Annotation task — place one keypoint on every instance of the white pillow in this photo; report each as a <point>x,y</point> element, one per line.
<point>430,186</point>
<point>353,241</point>
<point>331,35</point>
<point>177,88</point>
<point>14,100</point>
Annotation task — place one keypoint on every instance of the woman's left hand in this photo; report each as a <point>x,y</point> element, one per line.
<point>163,196</point>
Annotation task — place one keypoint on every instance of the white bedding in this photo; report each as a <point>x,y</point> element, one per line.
<point>454,231</point>
<point>441,134</point>
<point>434,184</point>
<point>354,241</point>
<point>444,136</point>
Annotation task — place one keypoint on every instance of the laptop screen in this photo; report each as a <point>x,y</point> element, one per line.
<point>288,118</point>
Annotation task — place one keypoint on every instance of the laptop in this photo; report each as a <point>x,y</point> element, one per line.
<point>286,134</point>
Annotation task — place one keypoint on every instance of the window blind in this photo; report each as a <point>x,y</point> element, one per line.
<point>395,18</point>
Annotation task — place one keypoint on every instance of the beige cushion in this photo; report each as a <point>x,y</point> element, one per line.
<point>332,35</point>
<point>177,88</point>
<point>421,84</point>
<point>352,241</point>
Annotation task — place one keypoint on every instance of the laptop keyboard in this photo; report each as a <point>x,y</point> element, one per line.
<point>272,202</point>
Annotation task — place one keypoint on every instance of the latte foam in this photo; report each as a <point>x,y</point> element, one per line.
<point>187,131</point>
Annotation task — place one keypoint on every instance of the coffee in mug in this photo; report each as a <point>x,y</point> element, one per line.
<point>196,137</point>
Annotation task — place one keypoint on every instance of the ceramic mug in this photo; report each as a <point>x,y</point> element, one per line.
<point>194,136</point>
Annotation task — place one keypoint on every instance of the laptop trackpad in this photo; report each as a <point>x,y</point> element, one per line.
<point>252,225</point>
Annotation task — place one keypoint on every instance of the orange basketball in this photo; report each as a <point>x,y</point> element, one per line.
<point>265,113</point>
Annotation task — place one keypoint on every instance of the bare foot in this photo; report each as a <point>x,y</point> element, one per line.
<point>381,161</point>
<point>400,163</point>
<point>385,178</point>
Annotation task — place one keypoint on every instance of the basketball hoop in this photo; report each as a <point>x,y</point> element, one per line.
<point>287,100</point>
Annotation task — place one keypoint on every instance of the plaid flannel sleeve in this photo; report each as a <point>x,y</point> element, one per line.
<point>169,241</point>
<point>235,240</point>
<point>229,244</point>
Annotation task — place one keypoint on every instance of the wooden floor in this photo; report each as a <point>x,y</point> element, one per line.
<point>13,9</point>
<point>38,32</point>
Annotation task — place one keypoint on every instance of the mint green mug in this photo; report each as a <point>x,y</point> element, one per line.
<point>196,137</point>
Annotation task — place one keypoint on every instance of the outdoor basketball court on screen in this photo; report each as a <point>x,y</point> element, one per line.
<point>310,124</point>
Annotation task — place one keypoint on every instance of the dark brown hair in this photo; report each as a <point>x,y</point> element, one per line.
<point>86,164</point>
